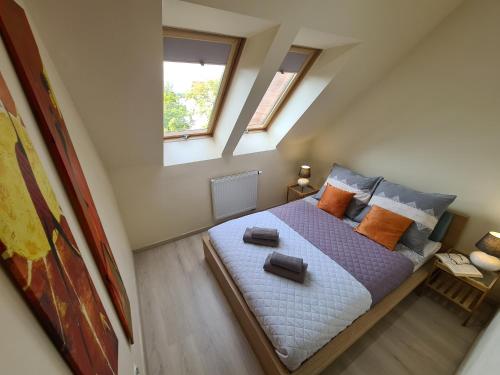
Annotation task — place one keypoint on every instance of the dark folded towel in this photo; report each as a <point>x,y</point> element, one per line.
<point>265,233</point>
<point>283,272</point>
<point>247,238</point>
<point>285,261</point>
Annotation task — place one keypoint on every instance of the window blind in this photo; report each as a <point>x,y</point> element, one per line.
<point>195,51</point>
<point>293,62</point>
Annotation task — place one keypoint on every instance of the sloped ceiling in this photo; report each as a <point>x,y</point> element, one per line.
<point>109,56</point>
<point>387,29</point>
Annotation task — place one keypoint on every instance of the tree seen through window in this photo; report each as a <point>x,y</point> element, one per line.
<point>189,95</point>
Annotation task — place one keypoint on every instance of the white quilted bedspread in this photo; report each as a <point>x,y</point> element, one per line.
<point>298,319</point>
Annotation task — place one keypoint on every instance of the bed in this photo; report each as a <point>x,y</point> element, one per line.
<point>302,328</point>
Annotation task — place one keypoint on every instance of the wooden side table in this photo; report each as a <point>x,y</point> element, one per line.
<point>295,192</point>
<point>466,292</point>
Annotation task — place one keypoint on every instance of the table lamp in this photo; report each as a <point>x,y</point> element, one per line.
<point>304,174</point>
<point>489,244</point>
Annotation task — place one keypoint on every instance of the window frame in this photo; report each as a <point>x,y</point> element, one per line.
<point>237,44</point>
<point>287,94</point>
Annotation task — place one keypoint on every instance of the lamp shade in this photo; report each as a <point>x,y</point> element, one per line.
<point>305,171</point>
<point>490,243</point>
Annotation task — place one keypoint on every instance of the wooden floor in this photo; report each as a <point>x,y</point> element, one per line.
<point>189,327</point>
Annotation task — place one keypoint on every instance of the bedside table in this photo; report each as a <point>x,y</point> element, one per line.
<point>295,192</point>
<point>466,292</point>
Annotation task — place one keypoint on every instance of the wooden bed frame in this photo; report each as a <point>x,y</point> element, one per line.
<point>326,355</point>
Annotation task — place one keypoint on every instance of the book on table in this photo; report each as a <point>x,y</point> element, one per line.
<point>459,265</point>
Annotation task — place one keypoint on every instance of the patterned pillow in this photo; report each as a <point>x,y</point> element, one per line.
<point>424,209</point>
<point>345,179</point>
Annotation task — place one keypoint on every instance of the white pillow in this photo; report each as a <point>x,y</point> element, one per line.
<point>418,260</point>
<point>431,248</point>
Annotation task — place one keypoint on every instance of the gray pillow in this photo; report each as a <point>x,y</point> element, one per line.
<point>424,209</point>
<point>346,179</point>
<point>359,217</point>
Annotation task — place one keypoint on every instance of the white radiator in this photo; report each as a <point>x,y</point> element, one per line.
<point>232,195</point>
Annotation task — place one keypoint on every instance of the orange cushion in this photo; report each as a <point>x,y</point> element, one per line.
<point>335,201</point>
<point>383,226</point>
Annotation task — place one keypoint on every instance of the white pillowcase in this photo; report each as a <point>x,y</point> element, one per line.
<point>431,248</point>
<point>418,260</point>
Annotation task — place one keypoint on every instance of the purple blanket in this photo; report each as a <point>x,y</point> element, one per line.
<point>377,268</point>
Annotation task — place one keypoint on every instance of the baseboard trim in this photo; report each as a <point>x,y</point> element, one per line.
<point>172,239</point>
<point>199,230</point>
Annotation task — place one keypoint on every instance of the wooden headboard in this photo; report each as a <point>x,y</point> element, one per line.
<point>454,230</point>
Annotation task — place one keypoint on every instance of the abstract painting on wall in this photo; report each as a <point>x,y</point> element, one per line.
<point>23,50</point>
<point>39,253</point>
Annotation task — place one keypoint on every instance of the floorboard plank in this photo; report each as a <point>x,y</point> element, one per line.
<point>189,327</point>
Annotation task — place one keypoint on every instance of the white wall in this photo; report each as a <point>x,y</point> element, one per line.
<point>162,203</point>
<point>483,358</point>
<point>109,56</point>
<point>433,123</point>
<point>25,347</point>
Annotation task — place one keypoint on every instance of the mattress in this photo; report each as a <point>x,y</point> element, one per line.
<point>347,274</point>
